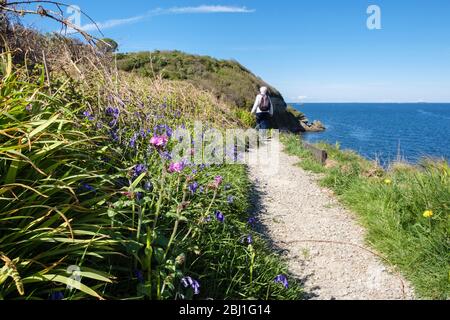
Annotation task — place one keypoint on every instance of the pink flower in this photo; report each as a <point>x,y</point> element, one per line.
<point>159,141</point>
<point>218,180</point>
<point>176,167</point>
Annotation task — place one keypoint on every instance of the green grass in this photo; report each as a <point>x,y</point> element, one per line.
<point>71,196</point>
<point>391,205</point>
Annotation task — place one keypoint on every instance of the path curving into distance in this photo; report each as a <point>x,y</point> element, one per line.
<point>321,241</point>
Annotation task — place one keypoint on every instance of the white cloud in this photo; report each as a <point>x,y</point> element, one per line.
<point>205,9</point>
<point>298,99</point>
<point>210,9</point>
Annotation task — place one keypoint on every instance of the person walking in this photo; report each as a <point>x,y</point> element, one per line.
<point>263,108</point>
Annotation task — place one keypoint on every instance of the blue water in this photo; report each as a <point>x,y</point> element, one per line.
<point>379,131</point>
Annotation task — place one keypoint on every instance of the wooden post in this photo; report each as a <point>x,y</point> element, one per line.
<point>318,154</point>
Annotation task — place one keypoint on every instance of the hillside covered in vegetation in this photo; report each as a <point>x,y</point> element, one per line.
<point>228,80</point>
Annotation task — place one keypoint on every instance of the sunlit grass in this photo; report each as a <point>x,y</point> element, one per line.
<point>405,209</point>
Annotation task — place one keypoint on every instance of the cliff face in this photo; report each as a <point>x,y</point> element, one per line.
<point>227,79</point>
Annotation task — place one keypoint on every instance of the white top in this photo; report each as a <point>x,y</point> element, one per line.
<point>258,102</point>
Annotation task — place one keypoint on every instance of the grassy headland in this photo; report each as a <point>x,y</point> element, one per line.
<point>405,209</point>
<point>228,80</point>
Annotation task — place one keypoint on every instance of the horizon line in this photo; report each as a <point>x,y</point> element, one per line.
<point>372,102</point>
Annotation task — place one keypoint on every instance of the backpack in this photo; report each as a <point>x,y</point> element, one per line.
<point>264,105</point>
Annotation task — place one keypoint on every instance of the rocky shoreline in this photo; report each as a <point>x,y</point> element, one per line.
<point>315,126</point>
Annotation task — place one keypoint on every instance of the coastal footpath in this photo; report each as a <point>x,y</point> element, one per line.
<point>322,242</point>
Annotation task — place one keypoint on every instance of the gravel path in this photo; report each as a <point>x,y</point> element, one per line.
<point>293,210</point>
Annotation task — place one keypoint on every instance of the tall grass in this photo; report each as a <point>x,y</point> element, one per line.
<point>405,209</point>
<point>90,208</point>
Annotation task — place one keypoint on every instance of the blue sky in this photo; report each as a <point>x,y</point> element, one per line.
<point>312,51</point>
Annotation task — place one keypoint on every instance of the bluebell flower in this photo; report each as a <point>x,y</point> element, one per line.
<point>57,296</point>
<point>148,186</point>
<point>138,170</point>
<point>85,187</point>
<point>230,199</point>
<point>133,141</point>
<point>251,221</point>
<point>88,115</point>
<point>112,111</point>
<point>282,279</point>
<point>189,282</point>
<point>207,219</point>
<point>166,155</point>
<point>139,196</point>
<point>114,135</point>
<point>163,129</point>
<point>219,216</point>
<point>193,187</point>
<point>139,275</point>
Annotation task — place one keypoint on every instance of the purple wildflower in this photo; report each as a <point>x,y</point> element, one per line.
<point>230,199</point>
<point>114,135</point>
<point>133,142</point>
<point>251,221</point>
<point>282,279</point>
<point>57,296</point>
<point>218,180</point>
<point>176,167</point>
<point>88,115</point>
<point>166,155</point>
<point>111,111</point>
<point>148,186</point>
<point>138,170</point>
<point>85,187</point>
<point>139,275</point>
<point>114,113</point>
<point>163,129</point>
<point>207,219</point>
<point>189,282</point>
<point>219,216</point>
<point>193,187</point>
<point>159,141</point>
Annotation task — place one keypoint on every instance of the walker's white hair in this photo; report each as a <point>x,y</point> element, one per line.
<point>263,90</point>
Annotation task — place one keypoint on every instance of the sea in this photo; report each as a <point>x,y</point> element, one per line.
<point>385,132</point>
